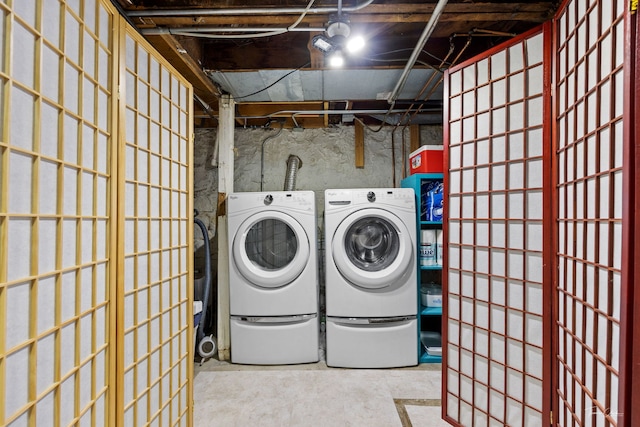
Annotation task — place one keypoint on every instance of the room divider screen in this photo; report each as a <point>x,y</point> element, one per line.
<point>70,228</point>
<point>57,230</point>
<point>541,224</point>
<point>498,284</point>
<point>589,47</point>
<point>156,235</point>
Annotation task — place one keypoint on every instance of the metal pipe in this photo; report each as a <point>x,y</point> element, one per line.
<point>393,155</point>
<point>426,33</point>
<point>440,80</point>
<point>293,164</point>
<point>242,11</point>
<point>262,154</point>
<point>323,112</point>
<point>207,109</point>
<point>433,88</point>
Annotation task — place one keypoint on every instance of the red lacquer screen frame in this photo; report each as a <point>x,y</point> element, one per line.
<point>453,369</point>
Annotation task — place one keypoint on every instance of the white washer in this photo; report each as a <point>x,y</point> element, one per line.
<point>273,277</point>
<point>371,278</point>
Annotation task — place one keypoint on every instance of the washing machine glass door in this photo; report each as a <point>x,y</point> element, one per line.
<point>271,249</point>
<point>372,248</point>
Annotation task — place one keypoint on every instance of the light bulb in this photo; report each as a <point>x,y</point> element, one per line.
<point>336,59</point>
<point>354,44</point>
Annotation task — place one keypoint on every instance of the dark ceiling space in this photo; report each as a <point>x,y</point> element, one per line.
<point>261,52</point>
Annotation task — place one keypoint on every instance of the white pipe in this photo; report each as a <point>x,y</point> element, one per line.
<point>242,11</point>
<point>216,147</point>
<point>426,33</point>
<point>228,36</point>
<point>165,30</point>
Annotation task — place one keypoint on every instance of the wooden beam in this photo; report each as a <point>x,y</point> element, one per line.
<point>326,116</point>
<point>176,53</point>
<point>414,141</point>
<point>319,21</point>
<point>359,144</point>
<point>226,160</point>
<point>403,13</point>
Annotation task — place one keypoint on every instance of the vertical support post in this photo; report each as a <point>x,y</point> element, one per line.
<point>414,138</point>
<point>226,127</point>
<point>359,144</point>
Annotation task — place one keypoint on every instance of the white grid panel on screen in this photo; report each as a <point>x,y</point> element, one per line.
<point>56,227</point>
<point>157,239</point>
<point>589,38</point>
<point>494,310</point>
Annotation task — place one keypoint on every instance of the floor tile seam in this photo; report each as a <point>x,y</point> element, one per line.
<point>401,408</point>
<point>419,402</point>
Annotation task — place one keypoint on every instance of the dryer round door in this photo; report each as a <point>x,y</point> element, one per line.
<point>270,249</point>
<point>372,248</point>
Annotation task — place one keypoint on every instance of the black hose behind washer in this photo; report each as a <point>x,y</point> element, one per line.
<point>207,276</point>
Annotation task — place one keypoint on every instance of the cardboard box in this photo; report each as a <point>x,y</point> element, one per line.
<point>426,159</point>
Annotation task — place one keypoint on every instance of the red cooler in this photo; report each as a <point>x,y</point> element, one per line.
<point>426,159</point>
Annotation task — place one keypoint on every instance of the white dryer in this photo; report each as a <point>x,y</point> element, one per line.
<point>273,277</point>
<point>371,278</point>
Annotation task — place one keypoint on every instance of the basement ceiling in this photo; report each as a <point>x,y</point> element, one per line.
<point>261,53</point>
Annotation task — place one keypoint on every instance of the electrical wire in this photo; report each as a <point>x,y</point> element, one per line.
<point>272,84</point>
<point>424,64</point>
<point>409,49</point>
<point>302,15</point>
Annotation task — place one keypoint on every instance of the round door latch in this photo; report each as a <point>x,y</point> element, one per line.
<point>371,196</point>
<point>268,199</point>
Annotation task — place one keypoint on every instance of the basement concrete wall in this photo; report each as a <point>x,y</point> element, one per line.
<point>328,161</point>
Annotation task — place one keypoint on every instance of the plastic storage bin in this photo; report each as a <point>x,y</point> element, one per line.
<point>431,295</point>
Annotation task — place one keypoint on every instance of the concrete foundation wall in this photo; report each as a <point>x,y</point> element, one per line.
<point>328,161</point>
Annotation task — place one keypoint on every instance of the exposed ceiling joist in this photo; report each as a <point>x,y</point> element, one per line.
<point>181,56</point>
<point>252,51</point>
<point>378,13</point>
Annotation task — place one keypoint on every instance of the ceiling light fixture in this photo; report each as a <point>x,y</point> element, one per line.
<point>322,43</point>
<point>336,39</point>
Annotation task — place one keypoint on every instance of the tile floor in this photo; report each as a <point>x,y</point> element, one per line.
<point>314,395</point>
